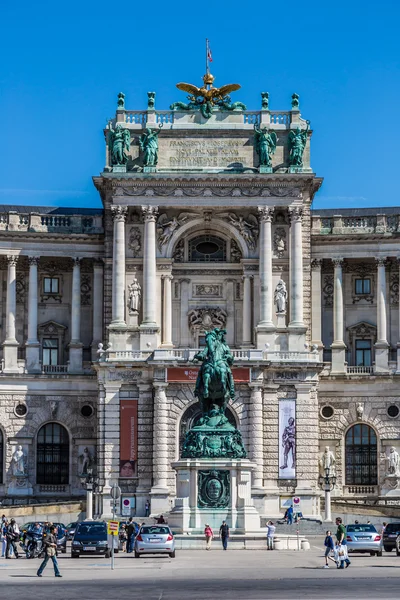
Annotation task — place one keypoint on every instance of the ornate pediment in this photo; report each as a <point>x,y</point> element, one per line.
<point>362,330</point>
<point>51,328</point>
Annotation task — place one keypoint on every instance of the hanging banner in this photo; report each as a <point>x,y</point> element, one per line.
<point>287,439</point>
<point>182,374</point>
<point>128,438</point>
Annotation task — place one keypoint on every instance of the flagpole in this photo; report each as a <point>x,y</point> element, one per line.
<point>207,68</point>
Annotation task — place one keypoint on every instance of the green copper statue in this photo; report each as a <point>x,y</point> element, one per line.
<point>214,436</point>
<point>148,143</point>
<point>120,140</point>
<point>265,143</point>
<point>297,144</point>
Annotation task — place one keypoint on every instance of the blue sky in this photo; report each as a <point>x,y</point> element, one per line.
<point>64,64</point>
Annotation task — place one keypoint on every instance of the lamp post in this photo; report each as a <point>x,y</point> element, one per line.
<point>327,483</point>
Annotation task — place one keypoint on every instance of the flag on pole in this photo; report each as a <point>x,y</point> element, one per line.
<point>209,55</point>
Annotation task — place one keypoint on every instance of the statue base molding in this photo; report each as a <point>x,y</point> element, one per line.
<point>211,491</point>
<point>265,169</point>
<point>149,169</point>
<point>119,169</point>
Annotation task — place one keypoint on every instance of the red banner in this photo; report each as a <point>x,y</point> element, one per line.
<point>182,375</point>
<point>128,437</point>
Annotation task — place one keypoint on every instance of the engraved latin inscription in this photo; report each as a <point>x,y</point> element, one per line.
<point>206,153</point>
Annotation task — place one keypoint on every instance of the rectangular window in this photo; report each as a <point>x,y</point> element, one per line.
<point>50,285</point>
<point>363,353</point>
<point>50,351</point>
<point>202,341</point>
<point>363,286</point>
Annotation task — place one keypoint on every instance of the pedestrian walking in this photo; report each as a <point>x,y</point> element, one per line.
<point>289,515</point>
<point>341,531</point>
<point>147,508</point>
<point>130,531</point>
<point>3,538</point>
<point>341,556</point>
<point>50,542</point>
<point>208,532</point>
<point>12,535</point>
<point>329,548</point>
<point>224,534</point>
<point>270,535</point>
<point>123,538</point>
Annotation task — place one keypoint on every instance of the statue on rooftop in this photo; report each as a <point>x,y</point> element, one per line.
<point>265,143</point>
<point>297,144</point>
<point>120,142</point>
<point>148,143</point>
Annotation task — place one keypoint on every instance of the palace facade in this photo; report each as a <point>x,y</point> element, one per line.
<point>102,312</point>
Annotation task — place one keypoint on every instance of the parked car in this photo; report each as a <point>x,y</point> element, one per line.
<point>71,530</point>
<point>392,530</point>
<point>90,538</point>
<point>155,539</point>
<point>363,538</point>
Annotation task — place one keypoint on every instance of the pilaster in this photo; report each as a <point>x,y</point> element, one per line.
<point>338,346</point>
<point>381,346</point>
<point>76,346</point>
<point>10,344</point>
<point>32,343</point>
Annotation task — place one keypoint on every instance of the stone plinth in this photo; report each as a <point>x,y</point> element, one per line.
<point>225,484</point>
<point>20,486</point>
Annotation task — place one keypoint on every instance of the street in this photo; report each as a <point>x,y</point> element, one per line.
<point>243,575</point>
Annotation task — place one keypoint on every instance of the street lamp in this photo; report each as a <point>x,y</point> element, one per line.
<point>89,483</point>
<point>327,483</point>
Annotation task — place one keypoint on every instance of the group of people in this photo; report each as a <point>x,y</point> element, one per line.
<point>338,549</point>
<point>129,531</point>
<point>9,536</point>
<point>224,535</point>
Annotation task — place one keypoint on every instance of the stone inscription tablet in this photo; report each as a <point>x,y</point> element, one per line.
<point>206,152</point>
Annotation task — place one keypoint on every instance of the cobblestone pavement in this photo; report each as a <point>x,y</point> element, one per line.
<point>242,575</point>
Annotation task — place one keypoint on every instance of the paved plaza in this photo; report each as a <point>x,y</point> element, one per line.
<point>245,575</point>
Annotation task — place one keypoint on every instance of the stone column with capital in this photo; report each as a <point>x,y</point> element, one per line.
<point>98,306</point>
<point>10,344</point>
<point>76,346</point>
<point>296,268</point>
<point>256,434</point>
<point>159,491</point>
<point>265,327</point>
<point>247,336</point>
<point>149,327</point>
<point>316,304</point>
<point>119,214</point>
<point>32,343</point>
<point>381,346</point>
<point>338,346</point>
<point>167,312</point>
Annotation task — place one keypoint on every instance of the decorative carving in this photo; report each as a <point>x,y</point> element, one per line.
<point>86,461</point>
<point>327,463</point>
<point>208,290</point>
<point>360,411</point>
<point>149,213</point>
<point>214,489</point>
<point>327,289</point>
<point>86,289</point>
<point>295,101</point>
<point>151,100</point>
<point>121,101</point>
<point>119,213</point>
<point>120,142</point>
<point>280,242</point>
<point>394,288</point>
<point>295,213</point>
<point>280,297</point>
<point>33,260</point>
<point>134,296</point>
<point>134,241</point>
<point>248,229</point>
<point>263,191</point>
<point>12,260</point>
<point>207,318</point>
<point>166,227</point>
<point>316,264</point>
<point>53,408</point>
<point>265,213</point>
<point>236,253</point>
<point>19,463</point>
<point>393,460</point>
<point>179,252</point>
<point>265,143</point>
<point>20,288</point>
<point>297,143</point>
<point>264,100</point>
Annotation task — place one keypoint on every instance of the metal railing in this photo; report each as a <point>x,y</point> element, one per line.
<point>55,368</point>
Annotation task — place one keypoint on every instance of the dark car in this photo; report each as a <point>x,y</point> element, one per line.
<point>71,530</point>
<point>392,530</point>
<point>90,538</point>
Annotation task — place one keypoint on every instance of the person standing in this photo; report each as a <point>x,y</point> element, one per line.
<point>270,535</point>
<point>329,547</point>
<point>12,535</point>
<point>290,515</point>
<point>130,530</point>
<point>3,537</point>
<point>208,532</point>
<point>224,534</point>
<point>147,508</point>
<point>50,542</point>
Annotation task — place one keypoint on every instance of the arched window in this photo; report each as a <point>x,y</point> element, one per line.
<point>361,456</point>
<point>207,248</point>
<point>191,417</point>
<point>52,455</point>
<point>1,456</point>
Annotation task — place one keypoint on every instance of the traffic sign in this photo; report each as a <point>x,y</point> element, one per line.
<point>112,527</point>
<point>296,503</point>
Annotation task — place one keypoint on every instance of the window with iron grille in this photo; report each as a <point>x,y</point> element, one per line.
<point>52,455</point>
<point>207,248</point>
<point>361,456</point>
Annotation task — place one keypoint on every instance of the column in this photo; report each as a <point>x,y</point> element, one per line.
<point>316,305</point>
<point>118,292</point>
<point>10,344</point>
<point>75,346</point>
<point>149,266</point>
<point>98,306</point>
<point>256,434</point>
<point>246,337</point>
<point>167,312</point>
<point>32,343</point>
<point>296,270</point>
<point>160,491</point>
<point>381,346</point>
<point>338,346</point>
<point>265,266</point>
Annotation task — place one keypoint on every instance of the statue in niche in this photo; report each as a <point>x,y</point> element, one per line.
<point>279,242</point>
<point>327,462</point>
<point>393,462</point>
<point>265,143</point>
<point>18,463</point>
<point>86,459</point>
<point>297,144</point>
<point>148,143</point>
<point>134,296</point>
<point>360,411</point>
<point>179,252</point>
<point>280,297</point>
<point>236,254</point>
<point>120,141</point>
<point>134,242</point>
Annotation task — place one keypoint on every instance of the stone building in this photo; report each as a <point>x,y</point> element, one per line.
<point>205,238</point>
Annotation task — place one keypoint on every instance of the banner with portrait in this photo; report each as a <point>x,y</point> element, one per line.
<point>287,439</point>
<point>128,439</point>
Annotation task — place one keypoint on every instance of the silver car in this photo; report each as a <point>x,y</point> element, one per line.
<point>155,539</point>
<point>363,538</point>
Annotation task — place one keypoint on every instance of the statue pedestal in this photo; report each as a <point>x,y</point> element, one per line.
<point>20,486</point>
<point>119,169</point>
<point>265,169</point>
<point>211,491</point>
<point>149,169</point>
<point>281,320</point>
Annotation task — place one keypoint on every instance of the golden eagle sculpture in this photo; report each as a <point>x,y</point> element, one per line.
<point>207,96</point>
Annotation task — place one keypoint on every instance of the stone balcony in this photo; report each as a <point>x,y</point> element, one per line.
<point>356,222</point>
<point>51,221</point>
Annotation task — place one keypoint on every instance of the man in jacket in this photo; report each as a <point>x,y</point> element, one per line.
<point>130,530</point>
<point>12,536</point>
<point>50,549</point>
<point>224,534</point>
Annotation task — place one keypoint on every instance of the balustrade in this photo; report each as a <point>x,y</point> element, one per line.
<point>164,116</point>
<point>136,116</point>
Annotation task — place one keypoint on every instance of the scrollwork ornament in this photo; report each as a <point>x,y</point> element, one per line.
<point>265,214</point>
<point>149,213</point>
<point>295,214</point>
<point>119,213</point>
